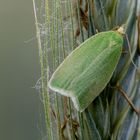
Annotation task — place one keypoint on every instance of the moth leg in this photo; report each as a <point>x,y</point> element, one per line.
<point>63,126</point>
<point>74,125</point>
<point>83,17</point>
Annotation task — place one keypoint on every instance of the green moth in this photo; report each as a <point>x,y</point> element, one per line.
<point>83,75</point>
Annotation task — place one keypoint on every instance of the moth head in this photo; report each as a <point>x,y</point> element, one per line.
<point>121,30</point>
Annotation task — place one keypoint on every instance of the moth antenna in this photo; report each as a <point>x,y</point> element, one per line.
<point>123,93</point>
<point>131,53</point>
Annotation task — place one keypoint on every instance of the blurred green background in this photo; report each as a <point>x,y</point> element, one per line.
<point>20,104</point>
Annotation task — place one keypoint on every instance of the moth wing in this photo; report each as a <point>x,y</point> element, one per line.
<point>87,70</point>
<point>95,78</point>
